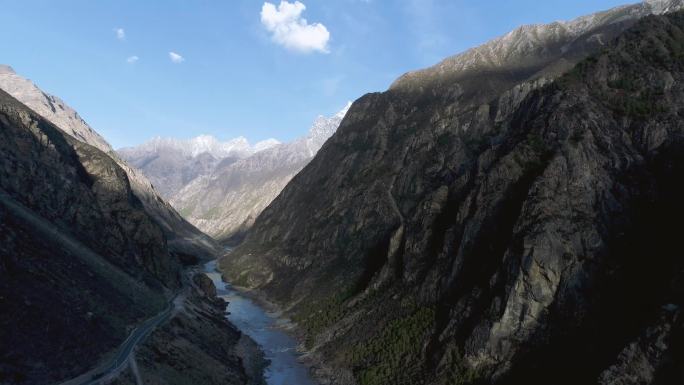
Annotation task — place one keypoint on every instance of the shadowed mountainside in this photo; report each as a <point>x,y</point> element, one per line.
<point>81,259</point>
<point>496,222</point>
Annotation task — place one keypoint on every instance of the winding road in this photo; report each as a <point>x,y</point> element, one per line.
<point>111,368</point>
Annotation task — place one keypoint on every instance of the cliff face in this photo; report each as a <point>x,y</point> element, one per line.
<point>495,225</point>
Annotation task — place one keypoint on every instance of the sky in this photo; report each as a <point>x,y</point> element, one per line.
<point>181,68</point>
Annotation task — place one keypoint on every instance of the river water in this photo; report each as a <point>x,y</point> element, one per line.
<point>266,329</point>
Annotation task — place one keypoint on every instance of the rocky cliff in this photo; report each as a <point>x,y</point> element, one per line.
<point>508,216</point>
<point>198,346</point>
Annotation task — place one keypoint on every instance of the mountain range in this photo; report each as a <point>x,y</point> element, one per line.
<point>222,187</point>
<point>171,164</point>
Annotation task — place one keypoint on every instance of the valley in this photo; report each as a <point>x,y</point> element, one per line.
<point>509,215</point>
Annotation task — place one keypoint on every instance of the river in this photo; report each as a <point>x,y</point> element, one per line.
<point>267,330</point>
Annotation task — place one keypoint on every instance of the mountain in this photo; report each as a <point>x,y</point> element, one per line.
<point>225,202</point>
<point>171,163</point>
<point>184,238</point>
<point>52,107</point>
<point>83,263</point>
<point>507,216</point>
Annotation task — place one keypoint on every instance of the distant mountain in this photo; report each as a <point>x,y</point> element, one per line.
<point>225,202</point>
<point>508,216</point>
<point>184,237</point>
<point>172,163</point>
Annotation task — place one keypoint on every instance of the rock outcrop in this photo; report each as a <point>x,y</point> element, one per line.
<point>198,346</point>
<point>508,216</point>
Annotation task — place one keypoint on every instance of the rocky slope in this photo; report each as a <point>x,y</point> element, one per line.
<point>82,260</point>
<point>184,238</point>
<point>191,349</point>
<point>225,202</point>
<point>171,163</point>
<point>508,216</point>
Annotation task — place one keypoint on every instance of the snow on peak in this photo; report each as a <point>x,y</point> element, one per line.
<point>238,147</point>
<point>266,144</point>
<point>323,127</point>
<point>343,112</point>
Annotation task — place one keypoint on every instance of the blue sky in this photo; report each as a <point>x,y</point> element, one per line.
<point>238,73</point>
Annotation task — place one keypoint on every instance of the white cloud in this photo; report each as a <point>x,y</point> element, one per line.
<point>176,58</point>
<point>289,29</point>
<point>120,33</point>
<point>132,59</point>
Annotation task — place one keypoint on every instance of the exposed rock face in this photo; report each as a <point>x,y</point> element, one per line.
<point>205,285</point>
<point>225,202</point>
<point>199,346</point>
<point>487,221</point>
<point>184,238</point>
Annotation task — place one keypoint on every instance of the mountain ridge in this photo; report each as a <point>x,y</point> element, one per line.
<point>514,48</point>
<point>198,145</point>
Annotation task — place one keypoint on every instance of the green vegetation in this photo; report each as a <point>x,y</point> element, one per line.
<point>393,356</point>
<point>314,317</point>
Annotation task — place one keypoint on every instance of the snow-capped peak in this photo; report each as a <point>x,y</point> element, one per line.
<point>324,127</point>
<point>236,147</point>
<point>343,112</point>
<point>266,144</point>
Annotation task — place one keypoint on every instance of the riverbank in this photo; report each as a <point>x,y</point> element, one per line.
<point>265,325</point>
<point>197,346</point>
